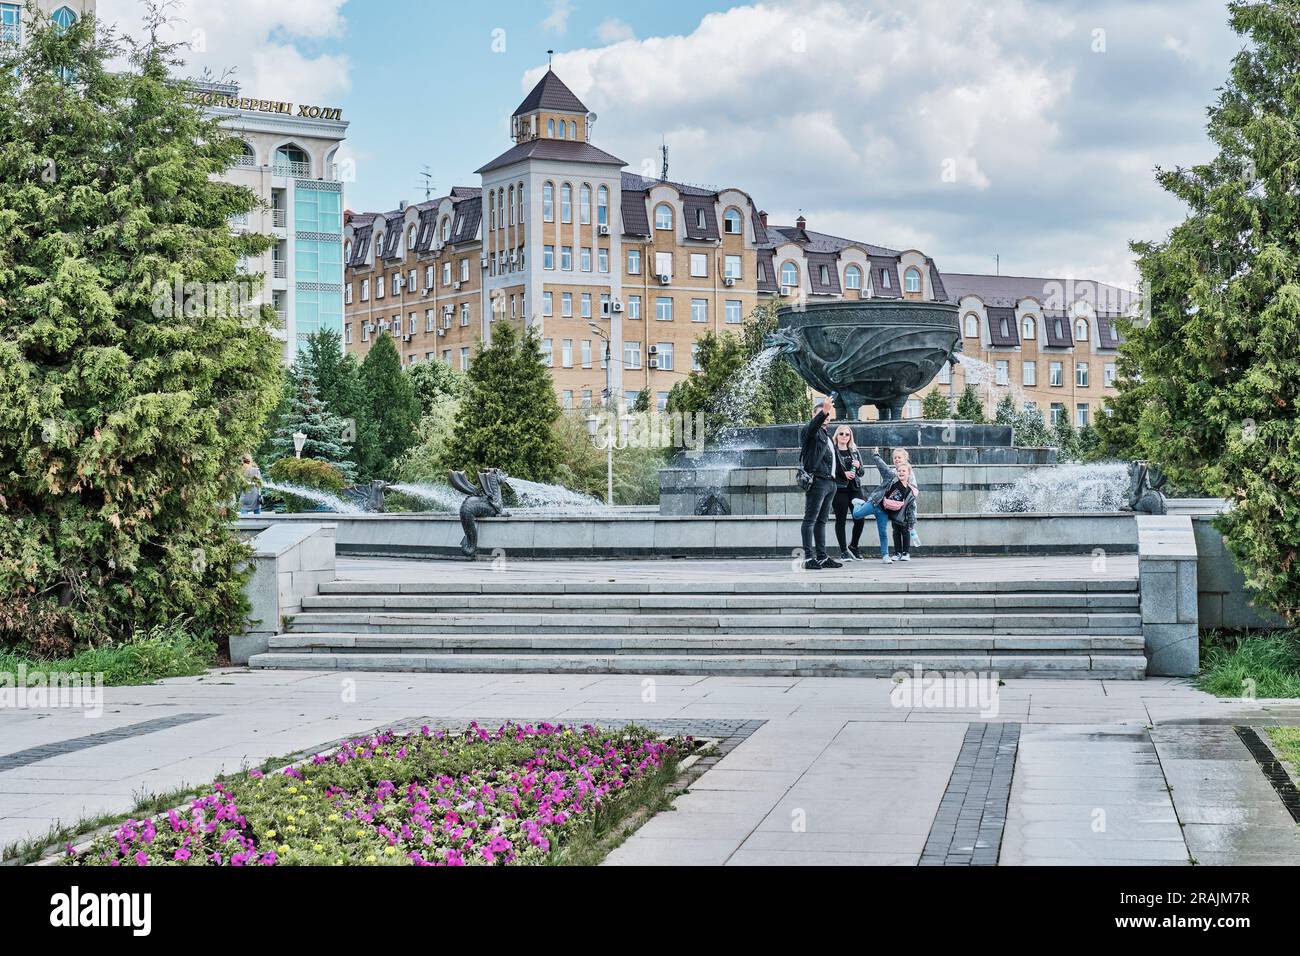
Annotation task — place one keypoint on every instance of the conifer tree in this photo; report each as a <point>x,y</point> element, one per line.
<point>970,407</point>
<point>325,431</point>
<point>935,405</point>
<point>390,410</point>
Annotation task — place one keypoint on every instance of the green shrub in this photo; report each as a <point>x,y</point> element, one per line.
<point>165,651</point>
<point>935,405</point>
<point>1267,663</point>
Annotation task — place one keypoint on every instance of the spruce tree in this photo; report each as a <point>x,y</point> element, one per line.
<point>122,416</point>
<point>390,410</point>
<point>1215,394</point>
<point>435,383</point>
<point>935,405</point>
<point>970,407</point>
<point>325,431</point>
<point>509,410</point>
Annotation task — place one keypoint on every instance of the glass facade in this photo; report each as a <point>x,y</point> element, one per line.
<point>317,257</point>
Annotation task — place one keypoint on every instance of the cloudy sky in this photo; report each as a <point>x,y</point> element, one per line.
<point>1026,129</point>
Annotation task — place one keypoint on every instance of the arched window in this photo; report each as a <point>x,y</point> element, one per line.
<point>573,129</point>
<point>410,237</point>
<point>732,224</point>
<point>248,157</point>
<point>548,202</point>
<point>510,198</point>
<point>1029,329</point>
<point>972,325</point>
<point>550,127</point>
<point>912,280</point>
<point>492,209</point>
<point>584,205</point>
<point>1081,330</point>
<point>63,18</point>
<point>566,203</point>
<point>663,216</point>
<point>602,206</point>
<point>789,274</point>
<point>445,229</point>
<point>292,161</point>
<point>520,194</point>
<point>853,278</point>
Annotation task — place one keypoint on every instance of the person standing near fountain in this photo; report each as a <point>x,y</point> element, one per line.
<point>901,457</point>
<point>817,459</point>
<point>251,499</point>
<point>871,505</point>
<point>848,485</point>
<point>900,503</point>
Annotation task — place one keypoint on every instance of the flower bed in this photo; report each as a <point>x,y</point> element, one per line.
<point>512,796</point>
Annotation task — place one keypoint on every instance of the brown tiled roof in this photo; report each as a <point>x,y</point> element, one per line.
<point>561,149</point>
<point>879,266</point>
<point>635,220</point>
<point>1009,290</point>
<point>467,214</point>
<point>1002,326</point>
<point>1059,331</point>
<point>392,236</point>
<point>360,244</point>
<point>936,282</point>
<point>816,260</point>
<point>1108,334</point>
<point>550,93</point>
<point>693,206</point>
<point>766,256</point>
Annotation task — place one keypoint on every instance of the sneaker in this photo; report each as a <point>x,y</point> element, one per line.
<point>847,556</point>
<point>856,555</point>
<point>812,564</point>
<point>831,563</point>
<point>886,558</point>
<point>904,557</point>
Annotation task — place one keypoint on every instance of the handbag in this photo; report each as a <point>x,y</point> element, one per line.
<point>804,479</point>
<point>892,504</point>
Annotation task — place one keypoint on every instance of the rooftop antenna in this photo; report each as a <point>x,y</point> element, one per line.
<point>664,173</point>
<point>427,175</point>
<point>997,263</point>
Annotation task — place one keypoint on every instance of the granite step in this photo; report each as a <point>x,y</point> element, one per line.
<point>809,582</point>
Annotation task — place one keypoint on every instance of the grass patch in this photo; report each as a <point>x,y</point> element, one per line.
<point>520,795</point>
<point>1286,741</point>
<point>1268,664</point>
<point>165,652</point>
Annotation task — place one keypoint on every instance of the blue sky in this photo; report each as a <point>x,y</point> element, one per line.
<point>966,128</point>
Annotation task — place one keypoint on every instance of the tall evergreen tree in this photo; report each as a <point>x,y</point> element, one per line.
<point>970,407</point>
<point>122,416</point>
<point>337,374</point>
<point>390,409</point>
<point>325,431</point>
<point>1214,397</point>
<point>435,383</point>
<point>935,405</point>
<point>509,409</point>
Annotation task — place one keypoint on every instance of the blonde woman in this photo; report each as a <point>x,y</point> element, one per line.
<point>848,485</point>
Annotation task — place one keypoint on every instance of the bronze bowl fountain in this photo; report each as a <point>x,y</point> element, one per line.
<point>868,351</point>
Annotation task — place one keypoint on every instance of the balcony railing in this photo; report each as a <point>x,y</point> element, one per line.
<point>279,218</point>
<point>246,160</point>
<point>292,170</point>
<point>280,268</point>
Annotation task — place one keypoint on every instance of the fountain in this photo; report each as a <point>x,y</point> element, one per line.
<point>1092,487</point>
<point>328,501</point>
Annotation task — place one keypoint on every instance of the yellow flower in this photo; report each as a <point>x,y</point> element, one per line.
<point>292,829</point>
<point>293,789</point>
<point>320,846</point>
<point>371,858</point>
<point>333,818</point>
<point>270,834</point>
<point>284,848</point>
<point>361,833</point>
<point>390,850</point>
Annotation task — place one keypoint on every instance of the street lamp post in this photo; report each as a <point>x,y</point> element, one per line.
<point>299,441</point>
<point>609,443</point>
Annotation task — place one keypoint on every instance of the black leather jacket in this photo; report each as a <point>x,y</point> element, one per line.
<point>816,456</point>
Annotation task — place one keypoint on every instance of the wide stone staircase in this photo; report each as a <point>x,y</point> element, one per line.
<point>799,625</point>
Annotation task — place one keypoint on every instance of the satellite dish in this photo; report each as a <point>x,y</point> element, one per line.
<point>591,117</point>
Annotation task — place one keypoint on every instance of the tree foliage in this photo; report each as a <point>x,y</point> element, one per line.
<point>935,405</point>
<point>1211,380</point>
<point>390,409</point>
<point>326,433</point>
<point>970,406</point>
<point>122,417</point>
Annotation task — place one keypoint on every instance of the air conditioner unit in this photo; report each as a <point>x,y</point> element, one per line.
<point>654,350</point>
<point>425,290</point>
<point>664,279</point>
<point>456,285</point>
<point>729,281</point>
<point>603,231</point>
<point>787,290</point>
<point>483,262</point>
<point>406,338</point>
<point>654,363</point>
<point>447,310</point>
<point>442,331</point>
<point>618,306</point>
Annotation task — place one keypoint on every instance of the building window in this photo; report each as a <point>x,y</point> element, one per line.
<point>412,323</point>
<point>586,305</point>
<point>731,267</point>
<point>365,290</point>
<point>665,356</point>
<point>853,278</point>
<point>824,275</point>
<point>566,258</point>
<point>695,357</point>
<point>1028,328</point>
<point>602,206</point>
<point>548,352</point>
<point>586,353</point>
<point>464,358</point>
<point>631,355</point>
<point>602,259</point>
<point>11,23</point>
<point>1081,330</point>
<point>664,308</point>
<point>699,265</point>
<point>548,303</point>
<point>884,279</point>
<point>586,258</point>
<point>573,129</point>
<point>365,331</point>
<point>634,307</point>
<point>699,310</point>
<point>664,264</point>
<point>1055,413</point>
<point>972,325</point>
<point>1029,375</point>
<point>634,262</point>
<point>347,294</point>
<point>566,203</point>
<point>1002,371</point>
<point>789,274</point>
<point>912,280</point>
<point>464,270</point>
<point>584,205</point>
<point>604,304</point>
<point>733,311</point>
<point>428,320</point>
<point>1108,374</point>
<point>566,353</point>
<point>1055,374</point>
<point>347,334</point>
<point>550,128</point>
<point>1081,374</point>
<point>379,287</point>
<point>464,313</point>
<point>663,216</point>
<point>548,257</point>
<point>1081,414</point>
<point>913,409</point>
<point>566,304</point>
<point>731,222</point>
<point>548,202</point>
<point>945,374</point>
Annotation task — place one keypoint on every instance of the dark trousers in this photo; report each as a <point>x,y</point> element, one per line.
<point>902,539</point>
<point>842,502</point>
<point>816,508</point>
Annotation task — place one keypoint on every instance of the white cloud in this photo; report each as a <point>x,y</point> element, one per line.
<point>614,30</point>
<point>557,21</point>
<point>854,109</point>
<point>256,39</point>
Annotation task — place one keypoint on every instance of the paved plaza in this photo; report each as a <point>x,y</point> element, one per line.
<point>829,770</point>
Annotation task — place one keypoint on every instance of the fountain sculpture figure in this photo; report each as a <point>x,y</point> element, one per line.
<point>1146,489</point>
<point>870,351</point>
<point>481,501</point>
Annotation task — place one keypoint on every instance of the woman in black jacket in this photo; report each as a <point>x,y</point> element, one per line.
<point>848,485</point>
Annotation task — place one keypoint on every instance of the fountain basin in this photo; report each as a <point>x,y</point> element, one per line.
<point>868,351</point>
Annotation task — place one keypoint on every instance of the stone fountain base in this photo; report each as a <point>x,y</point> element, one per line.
<point>752,472</point>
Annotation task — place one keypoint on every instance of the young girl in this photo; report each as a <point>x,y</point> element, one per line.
<point>900,457</point>
<point>900,505</point>
<point>848,485</point>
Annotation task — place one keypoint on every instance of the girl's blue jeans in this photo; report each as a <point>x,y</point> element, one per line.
<point>866,510</point>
